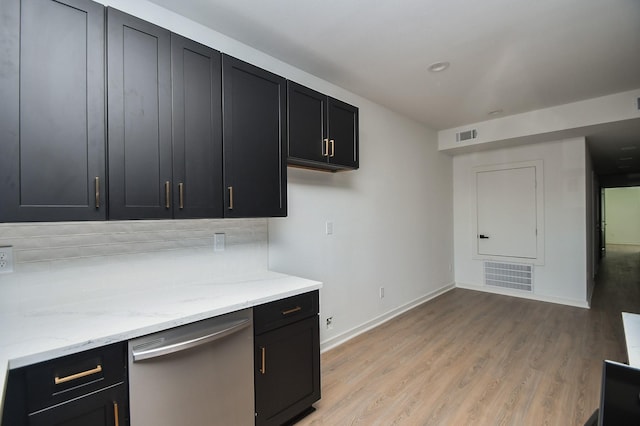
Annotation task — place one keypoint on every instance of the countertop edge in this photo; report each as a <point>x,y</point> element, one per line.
<point>631,325</point>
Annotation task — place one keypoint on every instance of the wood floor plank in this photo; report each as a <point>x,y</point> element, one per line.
<point>472,358</point>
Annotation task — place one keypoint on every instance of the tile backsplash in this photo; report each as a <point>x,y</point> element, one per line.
<point>41,245</point>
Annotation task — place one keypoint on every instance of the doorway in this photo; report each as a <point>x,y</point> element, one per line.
<point>621,216</point>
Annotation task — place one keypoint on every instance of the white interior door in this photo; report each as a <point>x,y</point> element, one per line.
<point>506,212</point>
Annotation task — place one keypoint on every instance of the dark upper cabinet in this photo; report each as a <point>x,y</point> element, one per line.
<point>165,123</point>
<point>139,106</point>
<point>254,135</point>
<point>197,129</point>
<point>323,131</point>
<point>52,120</point>
<point>342,120</point>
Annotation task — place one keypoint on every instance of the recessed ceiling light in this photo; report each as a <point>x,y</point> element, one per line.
<point>439,66</point>
<point>496,112</point>
<point>627,148</point>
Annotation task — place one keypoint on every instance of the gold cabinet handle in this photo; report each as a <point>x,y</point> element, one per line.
<point>230,188</point>
<point>181,194</point>
<point>292,310</point>
<point>97,182</point>
<point>325,147</point>
<point>263,365</point>
<point>116,415</point>
<point>167,195</point>
<point>59,380</point>
<point>333,148</point>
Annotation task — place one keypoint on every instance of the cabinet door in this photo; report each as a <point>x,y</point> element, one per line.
<point>52,130</point>
<point>288,381</point>
<point>307,125</point>
<point>139,104</point>
<point>197,129</point>
<point>254,135</point>
<point>343,134</point>
<point>107,407</point>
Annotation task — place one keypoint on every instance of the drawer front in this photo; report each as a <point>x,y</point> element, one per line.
<point>285,311</point>
<point>107,407</point>
<point>52,382</point>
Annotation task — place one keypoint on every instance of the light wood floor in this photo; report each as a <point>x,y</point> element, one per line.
<point>470,358</point>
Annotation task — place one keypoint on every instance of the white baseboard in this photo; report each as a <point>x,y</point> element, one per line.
<point>356,331</point>
<point>524,295</point>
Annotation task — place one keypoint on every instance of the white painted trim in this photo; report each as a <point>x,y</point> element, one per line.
<point>524,295</point>
<point>375,322</point>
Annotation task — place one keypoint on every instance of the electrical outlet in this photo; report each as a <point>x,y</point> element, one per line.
<point>6,259</point>
<point>329,323</point>
<point>218,242</point>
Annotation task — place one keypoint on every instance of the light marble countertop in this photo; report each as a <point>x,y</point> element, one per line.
<point>631,324</point>
<point>52,313</point>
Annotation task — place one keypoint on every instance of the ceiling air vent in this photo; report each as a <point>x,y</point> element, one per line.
<point>466,135</point>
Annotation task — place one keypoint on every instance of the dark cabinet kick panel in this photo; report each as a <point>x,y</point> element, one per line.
<point>323,131</point>
<point>52,165</point>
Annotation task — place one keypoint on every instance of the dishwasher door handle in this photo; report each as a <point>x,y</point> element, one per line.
<point>145,352</point>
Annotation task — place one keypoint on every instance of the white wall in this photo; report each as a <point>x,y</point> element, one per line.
<point>392,218</point>
<point>563,277</point>
<point>392,222</point>
<point>622,215</point>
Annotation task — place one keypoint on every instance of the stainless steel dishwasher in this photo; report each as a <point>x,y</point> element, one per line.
<point>200,374</point>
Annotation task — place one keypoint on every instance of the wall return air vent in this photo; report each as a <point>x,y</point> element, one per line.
<point>466,135</point>
<point>517,276</point>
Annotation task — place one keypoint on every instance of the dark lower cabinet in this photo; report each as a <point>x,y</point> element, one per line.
<point>254,138</point>
<point>107,407</point>
<point>287,358</point>
<point>52,114</point>
<point>88,388</point>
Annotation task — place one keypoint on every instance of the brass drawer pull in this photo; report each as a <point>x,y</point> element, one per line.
<point>263,366</point>
<point>167,195</point>
<point>181,194</point>
<point>116,415</point>
<point>230,188</point>
<point>325,147</point>
<point>292,310</point>
<point>59,380</point>
<point>97,182</point>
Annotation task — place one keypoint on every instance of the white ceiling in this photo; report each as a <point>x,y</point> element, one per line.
<point>509,55</point>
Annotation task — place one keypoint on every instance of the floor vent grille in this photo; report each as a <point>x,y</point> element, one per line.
<point>518,276</point>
